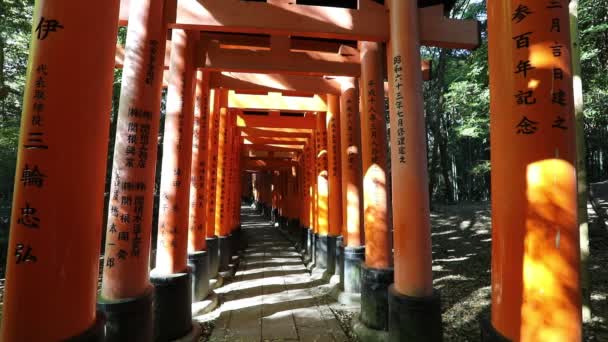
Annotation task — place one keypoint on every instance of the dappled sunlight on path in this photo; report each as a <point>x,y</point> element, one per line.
<point>272,296</point>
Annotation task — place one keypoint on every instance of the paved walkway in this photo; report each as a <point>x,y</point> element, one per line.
<point>272,296</point>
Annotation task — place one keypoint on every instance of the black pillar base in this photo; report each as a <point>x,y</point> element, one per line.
<point>172,305</point>
<point>354,258</point>
<point>303,237</point>
<point>374,296</point>
<point>326,253</point>
<point>225,250</point>
<point>130,319</point>
<point>310,242</point>
<point>489,334</point>
<point>340,259</point>
<point>414,318</point>
<point>96,333</point>
<point>214,256</point>
<point>321,251</point>
<point>199,264</point>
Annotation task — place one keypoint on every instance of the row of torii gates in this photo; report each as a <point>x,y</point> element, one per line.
<point>287,100</point>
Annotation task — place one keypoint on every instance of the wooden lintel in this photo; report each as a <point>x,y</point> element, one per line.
<point>275,141</point>
<point>276,102</point>
<point>269,121</point>
<point>245,82</point>
<point>270,148</point>
<point>437,30</point>
<point>257,164</point>
<point>267,133</point>
<point>284,62</point>
<point>287,18</point>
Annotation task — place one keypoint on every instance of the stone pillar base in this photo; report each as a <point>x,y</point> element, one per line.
<point>225,252</point>
<point>367,334</point>
<point>199,264</point>
<point>414,318</point>
<point>130,319</point>
<point>339,264</point>
<point>354,257</point>
<point>172,305</point>
<point>489,334</point>
<point>374,296</point>
<point>214,256</point>
<point>96,333</point>
<point>325,253</point>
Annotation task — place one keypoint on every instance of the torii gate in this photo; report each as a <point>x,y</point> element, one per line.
<point>60,190</point>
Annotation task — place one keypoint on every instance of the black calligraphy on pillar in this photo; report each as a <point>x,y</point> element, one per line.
<point>24,254</point>
<point>526,126</point>
<point>559,50</point>
<point>32,177</point>
<point>47,26</point>
<point>373,124</point>
<point>521,13</point>
<point>28,217</point>
<point>154,46</point>
<point>397,84</point>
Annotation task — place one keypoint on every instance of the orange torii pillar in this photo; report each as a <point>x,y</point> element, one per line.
<point>314,205</point>
<point>241,180</point>
<point>323,255</point>
<point>377,273</point>
<point>198,257</point>
<point>211,187</point>
<point>52,262</point>
<point>414,307</point>
<point>535,240</point>
<point>312,199</point>
<point>234,198</point>
<point>350,153</point>
<point>294,202</point>
<point>305,196</point>
<point>335,184</point>
<point>126,292</point>
<point>221,226</point>
<point>171,276</point>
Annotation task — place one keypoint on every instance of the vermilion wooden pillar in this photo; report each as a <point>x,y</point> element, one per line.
<point>334,165</point>
<point>535,239</point>
<point>414,308</point>
<point>172,277</point>
<point>374,148</point>
<point>198,256</point>
<point>352,191</point>
<point>211,183</point>
<point>322,256</point>
<point>125,286</point>
<point>52,262</point>
<point>224,143</point>
<point>198,185</point>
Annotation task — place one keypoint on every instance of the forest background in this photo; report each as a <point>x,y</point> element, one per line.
<point>456,100</point>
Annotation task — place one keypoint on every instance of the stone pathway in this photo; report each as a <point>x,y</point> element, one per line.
<point>273,296</point>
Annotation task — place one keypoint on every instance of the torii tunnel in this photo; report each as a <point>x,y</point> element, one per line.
<point>279,105</point>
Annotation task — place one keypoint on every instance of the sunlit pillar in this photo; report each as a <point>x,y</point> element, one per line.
<point>334,179</point>
<point>211,186</point>
<point>224,140</point>
<point>312,173</point>
<point>198,257</point>
<point>126,292</point>
<point>172,277</point>
<point>350,152</point>
<point>414,308</point>
<point>535,239</point>
<point>52,262</point>
<point>322,175</point>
